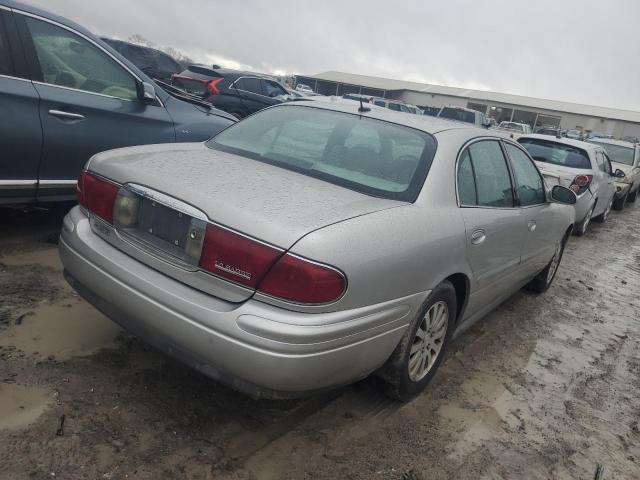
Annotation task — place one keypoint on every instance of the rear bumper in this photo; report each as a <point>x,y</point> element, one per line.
<point>253,347</point>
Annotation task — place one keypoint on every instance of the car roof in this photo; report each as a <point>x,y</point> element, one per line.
<point>565,141</point>
<point>424,123</point>
<point>461,108</point>
<point>611,141</point>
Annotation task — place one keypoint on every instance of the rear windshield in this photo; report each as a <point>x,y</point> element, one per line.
<point>457,114</point>
<point>556,153</point>
<point>617,153</point>
<point>367,155</point>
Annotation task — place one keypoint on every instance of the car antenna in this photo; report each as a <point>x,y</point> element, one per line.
<point>362,108</point>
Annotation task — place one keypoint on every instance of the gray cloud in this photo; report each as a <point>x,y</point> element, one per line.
<point>578,51</point>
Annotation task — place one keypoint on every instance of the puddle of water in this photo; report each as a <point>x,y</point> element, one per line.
<point>63,331</point>
<point>48,257</point>
<point>21,405</point>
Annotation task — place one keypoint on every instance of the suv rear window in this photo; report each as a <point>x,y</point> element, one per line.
<point>618,153</point>
<point>556,153</point>
<point>457,114</point>
<point>363,154</point>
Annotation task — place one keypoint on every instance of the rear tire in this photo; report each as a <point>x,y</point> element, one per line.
<point>544,279</point>
<point>619,203</point>
<point>581,228</point>
<point>417,357</point>
<point>604,215</point>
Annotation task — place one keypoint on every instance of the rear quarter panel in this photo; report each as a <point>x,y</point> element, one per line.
<point>391,253</point>
<point>404,250</point>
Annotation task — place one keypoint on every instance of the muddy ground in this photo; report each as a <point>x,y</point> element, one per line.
<point>545,387</point>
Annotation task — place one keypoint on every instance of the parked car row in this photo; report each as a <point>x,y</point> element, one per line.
<point>604,174</point>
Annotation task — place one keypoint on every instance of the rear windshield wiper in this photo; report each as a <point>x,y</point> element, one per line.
<point>182,95</point>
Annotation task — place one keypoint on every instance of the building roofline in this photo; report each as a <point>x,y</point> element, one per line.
<point>388,84</point>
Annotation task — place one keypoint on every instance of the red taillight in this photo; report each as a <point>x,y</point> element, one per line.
<point>237,258</point>
<point>212,86</point>
<point>97,195</point>
<point>298,280</point>
<point>581,183</point>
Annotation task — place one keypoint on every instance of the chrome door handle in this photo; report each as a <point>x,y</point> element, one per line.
<point>66,115</point>
<point>478,237</point>
<point>531,226</point>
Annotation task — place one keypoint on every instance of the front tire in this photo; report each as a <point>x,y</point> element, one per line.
<point>417,357</point>
<point>632,197</point>
<point>619,203</point>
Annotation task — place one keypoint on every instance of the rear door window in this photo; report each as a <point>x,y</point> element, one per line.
<point>6,62</point>
<point>69,60</point>
<point>529,183</point>
<point>555,153</point>
<point>467,193</point>
<point>272,89</point>
<point>249,84</point>
<point>493,186</point>
<point>395,107</point>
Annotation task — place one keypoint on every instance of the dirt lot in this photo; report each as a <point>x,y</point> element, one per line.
<point>543,388</point>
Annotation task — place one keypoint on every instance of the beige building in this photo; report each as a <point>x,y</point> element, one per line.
<point>537,112</point>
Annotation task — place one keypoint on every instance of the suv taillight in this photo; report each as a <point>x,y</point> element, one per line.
<point>212,86</point>
<point>97,195</point>
<point>580,184</point>
<point>298,280</point>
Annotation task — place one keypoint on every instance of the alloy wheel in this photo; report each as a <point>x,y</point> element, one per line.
<point>428,341</point>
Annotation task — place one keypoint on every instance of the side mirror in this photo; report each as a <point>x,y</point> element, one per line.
<point>619,173</point>
<point>562,194</point>
<point>146,93</point>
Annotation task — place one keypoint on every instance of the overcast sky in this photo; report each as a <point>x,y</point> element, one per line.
<point>579,51</point>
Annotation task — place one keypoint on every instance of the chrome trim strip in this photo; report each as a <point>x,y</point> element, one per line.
<point>11,77</point>
<point>57,183</point>
<point>36,82</point>
<point>166,200</point>
<point>2,7</point>
<point>18,183</point>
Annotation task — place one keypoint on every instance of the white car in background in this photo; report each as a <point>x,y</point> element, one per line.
<point>301,87</point>
<point>582,167</point>
<point>464,115</point>
<point>574,134</point>
<point>516,129</point>
<point>624,156</point>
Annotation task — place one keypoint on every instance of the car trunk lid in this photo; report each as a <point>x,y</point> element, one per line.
<point>261,201</point>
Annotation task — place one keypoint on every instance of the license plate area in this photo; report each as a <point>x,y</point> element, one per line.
<point>162,226</point>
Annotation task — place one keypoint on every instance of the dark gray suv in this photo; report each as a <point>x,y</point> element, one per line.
<point>65,95</point>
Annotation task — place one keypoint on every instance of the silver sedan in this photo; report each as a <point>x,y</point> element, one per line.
<point>313,244</point>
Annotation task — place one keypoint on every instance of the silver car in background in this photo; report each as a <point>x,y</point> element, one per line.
<point>314,243</point>
<point>582,167</point>
<point>624,156</point>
